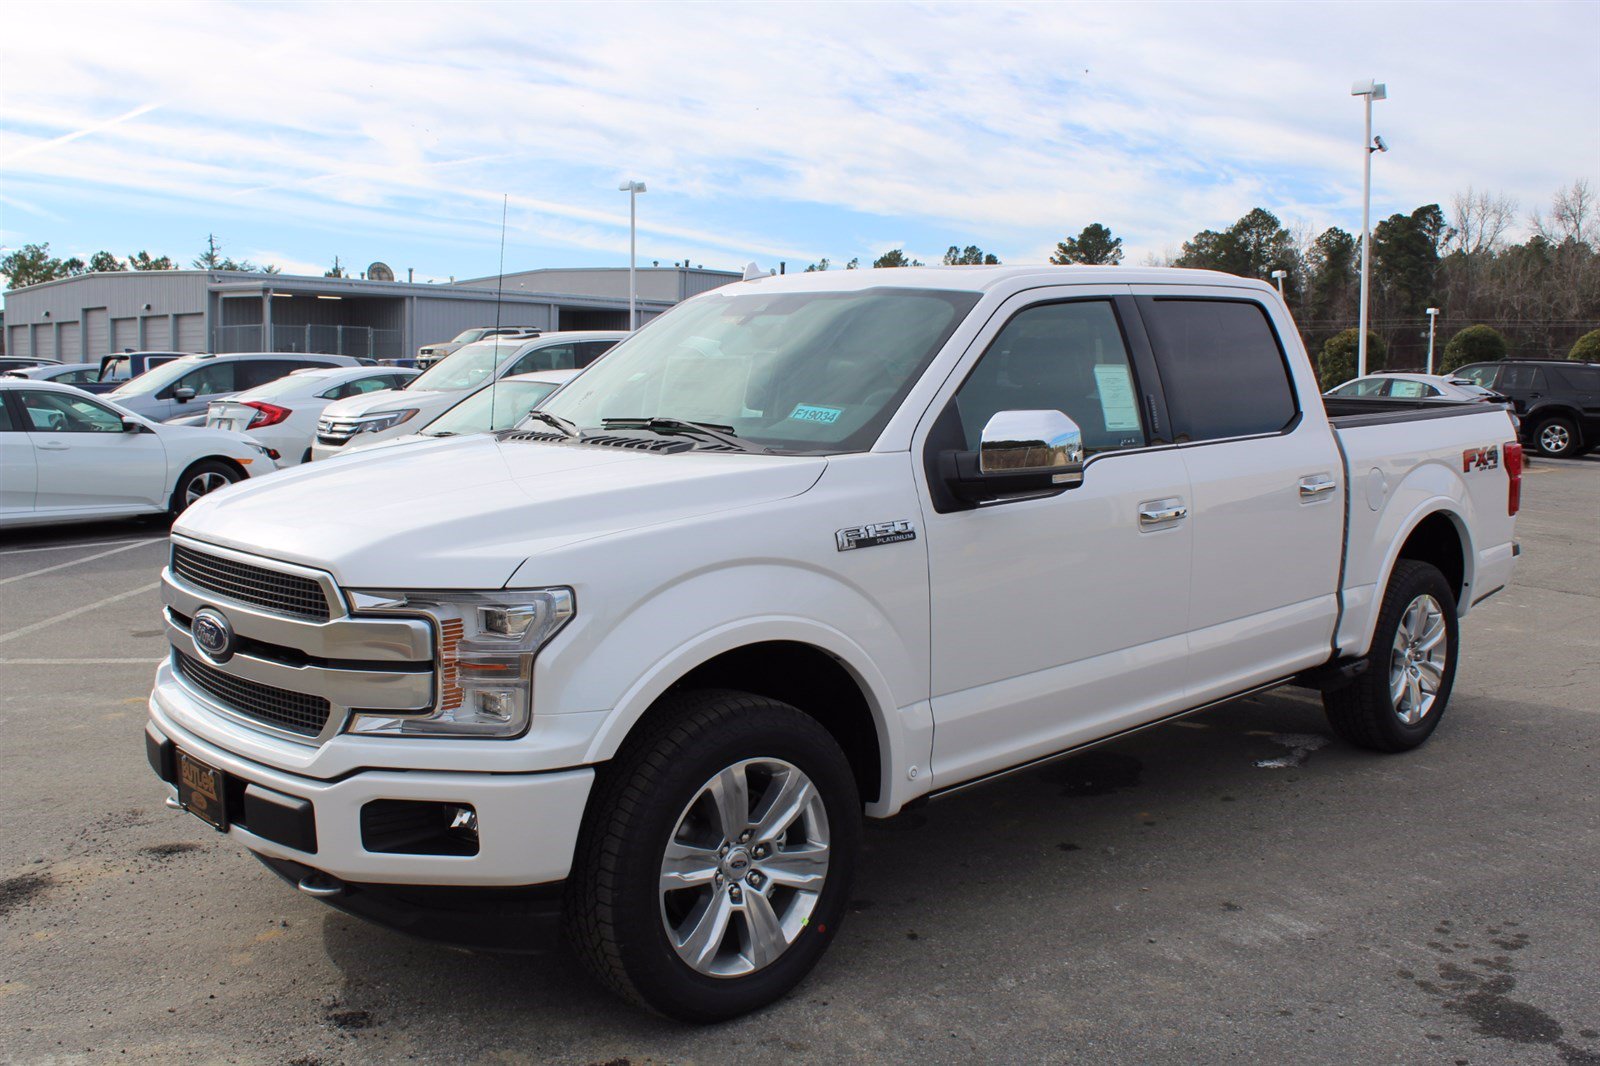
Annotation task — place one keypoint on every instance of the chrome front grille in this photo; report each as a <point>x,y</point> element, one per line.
<point>296,712</point>
<point>289,594</point>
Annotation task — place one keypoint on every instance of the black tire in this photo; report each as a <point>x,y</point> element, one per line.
<point>1557,437</point>
<point>614,912</point>
<point>203,473</point>
<point>1364,712</point>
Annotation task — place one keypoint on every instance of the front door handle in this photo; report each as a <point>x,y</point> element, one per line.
<point>1154,513</point>
<point>52,446</point>
<point>1314,486</point>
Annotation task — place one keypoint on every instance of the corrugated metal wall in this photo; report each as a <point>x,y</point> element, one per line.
<point>97,333</point>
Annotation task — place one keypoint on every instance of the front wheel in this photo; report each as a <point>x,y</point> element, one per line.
<point>716,857</point>
<point>1396,703</point>
<point>201,479</point>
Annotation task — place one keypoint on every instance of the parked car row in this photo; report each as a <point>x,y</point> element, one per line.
<point>139,449</point>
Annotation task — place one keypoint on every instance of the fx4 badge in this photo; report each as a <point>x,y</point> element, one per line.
<point>1487,458</point>
<point>874,534</point>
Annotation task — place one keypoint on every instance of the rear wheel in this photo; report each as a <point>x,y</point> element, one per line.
<point>1396,703</point>
<point>716,857</point>
<point>201,479</point>
<point>1557,437</point>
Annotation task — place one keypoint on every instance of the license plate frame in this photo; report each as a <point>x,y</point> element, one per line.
<point>203,791</point>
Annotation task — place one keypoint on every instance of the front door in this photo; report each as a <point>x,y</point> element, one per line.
<point>1057,618</point>
<point>17,472</point>
<point>87,461</point>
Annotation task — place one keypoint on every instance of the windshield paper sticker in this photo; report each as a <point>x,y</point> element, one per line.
<point>805,412</point>
<point>1115,387</point>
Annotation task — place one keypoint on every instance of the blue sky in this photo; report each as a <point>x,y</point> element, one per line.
<point>767,132</point>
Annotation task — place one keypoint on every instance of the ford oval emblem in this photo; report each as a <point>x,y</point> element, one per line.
<point>212,635</point>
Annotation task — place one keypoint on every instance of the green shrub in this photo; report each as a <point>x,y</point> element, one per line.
<point>1475,344</point>
<point>1587,348</point>
<point>1336,363</point>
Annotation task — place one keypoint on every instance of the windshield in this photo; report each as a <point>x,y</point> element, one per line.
<point>1476,390</point>
<point>467,336</point>
<point>795,371</point>
<point>154,379</point>
<point>466,367</point>
<point>512,401</point>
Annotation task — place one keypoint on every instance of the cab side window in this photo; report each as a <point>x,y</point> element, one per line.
<point>1221,367</point>
<point>1068,357</point>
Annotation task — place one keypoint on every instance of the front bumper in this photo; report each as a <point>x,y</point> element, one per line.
<point>527,822</point>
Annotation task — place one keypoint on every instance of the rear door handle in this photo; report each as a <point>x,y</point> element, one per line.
<point>1316,485</point>
<point>1154,513</point>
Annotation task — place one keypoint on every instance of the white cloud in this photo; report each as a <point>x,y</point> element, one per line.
<point>1003,125</point>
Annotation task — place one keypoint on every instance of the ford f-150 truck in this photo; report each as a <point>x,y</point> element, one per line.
<point>803,550</point>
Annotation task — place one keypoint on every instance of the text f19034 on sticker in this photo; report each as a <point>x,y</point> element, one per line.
<point>874,534</point>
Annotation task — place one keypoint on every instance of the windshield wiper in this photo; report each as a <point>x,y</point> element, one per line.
<point>564,425</point>
<point>666,424</point>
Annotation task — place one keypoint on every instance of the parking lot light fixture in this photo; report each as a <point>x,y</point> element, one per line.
<point>633,189</point>
<point>1433,317</point>
<point>1278,276</point>
<point>1370,90</point>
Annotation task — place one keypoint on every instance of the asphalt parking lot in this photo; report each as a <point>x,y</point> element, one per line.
<point>1235,886</point>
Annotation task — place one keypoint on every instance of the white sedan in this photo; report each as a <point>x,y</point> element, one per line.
<point>283,414</point>
<point>1414,387</point>
<point>67,456</point>
<point>500,407</point>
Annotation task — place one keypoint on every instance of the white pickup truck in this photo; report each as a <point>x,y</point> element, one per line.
<point>806,548</point>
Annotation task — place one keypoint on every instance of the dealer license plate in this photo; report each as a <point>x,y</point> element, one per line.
<point>202,791</point>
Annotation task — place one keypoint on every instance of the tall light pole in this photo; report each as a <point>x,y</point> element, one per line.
<point>633,189</point>
<point>1433,316</point>
<point>1371,90</point>
<point>1278,276</point>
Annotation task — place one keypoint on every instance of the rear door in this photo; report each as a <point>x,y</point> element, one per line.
<point>1056,618</point>
<point>1267,485</point>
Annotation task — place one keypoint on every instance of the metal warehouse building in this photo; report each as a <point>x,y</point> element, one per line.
<point>85,317</point>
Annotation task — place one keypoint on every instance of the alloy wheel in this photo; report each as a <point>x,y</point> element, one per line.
<point>1417,664</point>
<point>744,868</point>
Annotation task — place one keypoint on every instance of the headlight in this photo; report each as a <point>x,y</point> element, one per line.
<point>485,643</point>
<point>384,420</point>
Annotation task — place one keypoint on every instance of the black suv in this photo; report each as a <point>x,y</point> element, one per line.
<point>1558,401</point>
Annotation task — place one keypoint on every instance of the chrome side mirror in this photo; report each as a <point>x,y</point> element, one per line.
<point>1032,442</point>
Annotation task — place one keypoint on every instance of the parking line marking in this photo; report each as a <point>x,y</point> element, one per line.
<point>75,562</point>
<point>76,611</point>
<point>81,662</point>
<point>79,544</point>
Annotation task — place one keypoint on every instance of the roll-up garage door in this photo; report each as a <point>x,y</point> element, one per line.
<point>70,346</point>
<point>44,342</point>
<point>192,333</point>
<point>17,341</point>
<point>96,333</point>
<point>124,334</point>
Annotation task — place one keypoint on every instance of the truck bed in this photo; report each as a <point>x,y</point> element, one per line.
<point>1380,410</point>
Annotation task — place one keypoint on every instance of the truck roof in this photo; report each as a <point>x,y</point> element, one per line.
<point>984,278</point>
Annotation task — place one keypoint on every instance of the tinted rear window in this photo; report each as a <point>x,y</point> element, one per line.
<point>1221,367</point>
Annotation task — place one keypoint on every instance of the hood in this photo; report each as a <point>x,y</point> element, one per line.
<point>387,400</point>
<point>465,512</point>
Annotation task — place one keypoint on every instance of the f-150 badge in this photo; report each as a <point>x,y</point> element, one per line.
<point>1480,459</point>
<point>874,534</point>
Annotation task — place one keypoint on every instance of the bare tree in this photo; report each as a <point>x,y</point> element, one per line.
<point>1573,216</point>
<point>1480,221</point>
